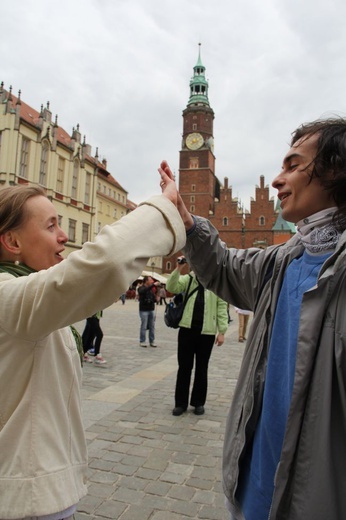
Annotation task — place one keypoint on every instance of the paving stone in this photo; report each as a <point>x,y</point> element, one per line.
<point>128,496</point>
<point>185,509</point>
<point>132,482</point>
<point>111,509</point>
<point>136,513</point>
<point>181,492</point>
<point>158,488</point>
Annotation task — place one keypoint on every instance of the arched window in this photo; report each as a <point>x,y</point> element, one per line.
<point>87,188</point>
<point>262,221</point>
<point>24,158</point>
<point>168,266</point>
<point>75,179</point>
<point>225,221</point>
<point>60,175</point>
<point>44,164</point>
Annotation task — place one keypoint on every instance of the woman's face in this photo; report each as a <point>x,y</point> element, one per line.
<point>40,239</point>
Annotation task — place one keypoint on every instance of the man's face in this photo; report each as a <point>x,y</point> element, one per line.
<point>40,239</point>
<point>299,195</point>
<point>149,281</point>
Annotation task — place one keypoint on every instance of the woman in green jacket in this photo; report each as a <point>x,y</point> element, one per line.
<point>204,322</point>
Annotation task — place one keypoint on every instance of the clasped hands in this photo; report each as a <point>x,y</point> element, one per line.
<point>169,190</point>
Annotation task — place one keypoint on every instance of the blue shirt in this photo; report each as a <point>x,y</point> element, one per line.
<point>256,483</point>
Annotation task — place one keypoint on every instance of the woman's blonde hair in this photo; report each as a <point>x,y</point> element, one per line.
<point>12,202</point>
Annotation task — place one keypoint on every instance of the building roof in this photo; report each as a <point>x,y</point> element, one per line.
<point>281,224</point>
<point>34,118</point>
<point>198,84</point>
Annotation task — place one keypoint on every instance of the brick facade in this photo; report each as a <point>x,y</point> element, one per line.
<point>204,195</point>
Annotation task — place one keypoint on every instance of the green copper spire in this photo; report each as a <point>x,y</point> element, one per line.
<point>198,84</point>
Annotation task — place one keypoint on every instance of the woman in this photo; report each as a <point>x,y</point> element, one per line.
<point>43,457</point>
<point>203,324</point>
<point>92,338</point>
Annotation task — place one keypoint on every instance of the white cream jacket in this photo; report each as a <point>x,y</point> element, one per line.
<point>43,456</point>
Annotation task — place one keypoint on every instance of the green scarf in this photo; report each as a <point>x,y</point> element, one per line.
<point>19,269</point>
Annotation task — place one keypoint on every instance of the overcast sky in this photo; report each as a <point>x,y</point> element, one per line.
<point>121,69</point>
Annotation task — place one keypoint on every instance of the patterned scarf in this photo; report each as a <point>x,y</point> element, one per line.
<point>18,269</point>
<point>318,233</point>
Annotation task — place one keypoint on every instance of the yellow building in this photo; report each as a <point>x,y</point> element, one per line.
<point>34,149</point>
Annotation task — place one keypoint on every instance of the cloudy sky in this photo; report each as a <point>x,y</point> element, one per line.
<point>121,69</point>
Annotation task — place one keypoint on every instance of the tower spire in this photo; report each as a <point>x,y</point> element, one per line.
<point>198,84</point>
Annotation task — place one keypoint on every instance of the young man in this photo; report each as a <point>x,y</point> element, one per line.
<point>147,300</point>
<point>285,441</point>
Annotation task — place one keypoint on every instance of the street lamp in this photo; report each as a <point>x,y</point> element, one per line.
<point>152,269</point>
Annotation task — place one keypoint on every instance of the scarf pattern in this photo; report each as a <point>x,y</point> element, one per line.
<point>318,233</point>
<point>321,239</point>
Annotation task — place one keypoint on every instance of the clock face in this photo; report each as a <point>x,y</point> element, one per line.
<point>194,141</point>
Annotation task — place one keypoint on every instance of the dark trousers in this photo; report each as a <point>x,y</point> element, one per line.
<point>192,347</point>
<point>91,333</point>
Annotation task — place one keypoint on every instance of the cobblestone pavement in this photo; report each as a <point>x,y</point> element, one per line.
<point>144,463</point>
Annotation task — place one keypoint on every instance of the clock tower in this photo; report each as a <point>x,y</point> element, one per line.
<point>197,181</point>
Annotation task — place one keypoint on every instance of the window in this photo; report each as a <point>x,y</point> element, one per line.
<point>115,213</point>
<point>192,209</point>
<point>109,192</point>
<point>24,158</point>
<point>168,266</point>
<point>72,230</point>
<point>87,188</point>
<point>98,186</point>
<point>225,221</point>
<point>108,210</point>
<point>85,232</point>
<point>59,220</point>
<point>75,179</point>
<point>194,163</point>
<point>193,187</point>
<point>194,126</point>
<point>43,164</point>
<point>60,175</point>
<point>98,227</point>
<point>100,206</point>
<point>104,189</point>
<point>262,221</point>
<point>192,198</point>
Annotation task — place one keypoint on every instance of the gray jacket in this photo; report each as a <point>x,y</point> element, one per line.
<point>310,481</point>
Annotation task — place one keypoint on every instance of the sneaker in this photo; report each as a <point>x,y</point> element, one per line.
<point>153,345</point>
<point>91,352</point>
<point>142,345</point>
<point>99,360</point>
<point>87,359</point>
<point>199,410</point>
